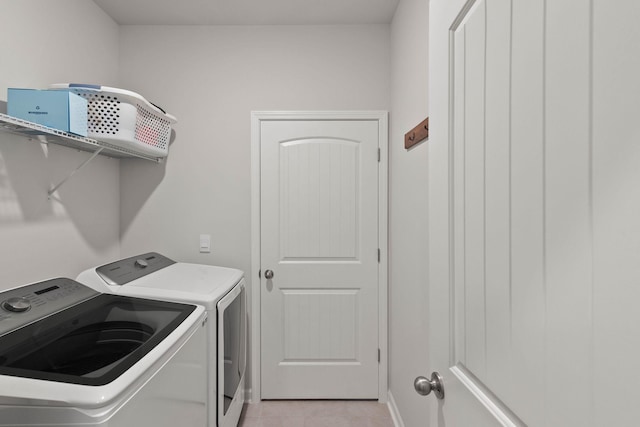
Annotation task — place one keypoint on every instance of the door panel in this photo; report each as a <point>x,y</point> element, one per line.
<point>320,325</point>
<point>616,209</point>
<point>568,234</point>
<point>497,190</point>
<point>319,219</point>
<point>526,201</point>
<point>319,235</point>
<point>534,203</point>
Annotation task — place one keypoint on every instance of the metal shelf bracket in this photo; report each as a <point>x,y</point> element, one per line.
<point>73,172</point>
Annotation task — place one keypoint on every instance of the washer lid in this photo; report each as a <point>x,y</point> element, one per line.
<point>100,402</point>
<point>91,343</point>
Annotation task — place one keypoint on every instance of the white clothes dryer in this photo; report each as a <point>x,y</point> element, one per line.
<point>220,290</point>
<point>72,356</point>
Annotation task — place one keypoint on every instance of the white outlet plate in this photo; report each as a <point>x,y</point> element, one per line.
<point>205,243</point>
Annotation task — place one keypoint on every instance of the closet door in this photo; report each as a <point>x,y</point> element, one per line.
<point>534,212</point>
<point>319,259</point>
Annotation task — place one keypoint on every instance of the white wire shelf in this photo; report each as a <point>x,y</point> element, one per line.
<point>54,136</point>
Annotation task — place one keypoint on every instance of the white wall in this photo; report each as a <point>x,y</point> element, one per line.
<point>408,213</point>
<point>43,42</point>
<point>211,78</point>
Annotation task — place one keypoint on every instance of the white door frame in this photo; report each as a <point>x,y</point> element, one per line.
<point>257,117</point>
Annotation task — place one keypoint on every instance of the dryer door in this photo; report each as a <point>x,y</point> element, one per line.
<point>232,327</point>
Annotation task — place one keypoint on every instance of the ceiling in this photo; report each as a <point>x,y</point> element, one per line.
<point>249,12</point>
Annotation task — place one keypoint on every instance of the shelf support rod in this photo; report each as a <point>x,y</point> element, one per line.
<point>93,156</point>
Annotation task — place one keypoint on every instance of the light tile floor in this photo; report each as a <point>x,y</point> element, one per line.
<point>316,413</point>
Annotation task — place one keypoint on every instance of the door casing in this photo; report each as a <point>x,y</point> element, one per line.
<point>257,117</point>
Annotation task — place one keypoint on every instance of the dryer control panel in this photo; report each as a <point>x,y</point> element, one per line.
<point>129,269</point>
<point>24,305</point>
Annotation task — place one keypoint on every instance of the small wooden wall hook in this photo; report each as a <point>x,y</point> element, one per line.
<point>417,134</point>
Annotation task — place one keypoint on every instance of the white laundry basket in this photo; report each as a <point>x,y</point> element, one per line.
<point>124,119</point>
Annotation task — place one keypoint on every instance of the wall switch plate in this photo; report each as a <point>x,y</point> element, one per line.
<point>205,243</point>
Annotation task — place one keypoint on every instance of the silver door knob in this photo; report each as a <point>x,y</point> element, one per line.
<point>268,274</point>
<point>425,386</point>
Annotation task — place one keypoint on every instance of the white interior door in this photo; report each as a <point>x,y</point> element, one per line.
<point>319,259</point>
<point>534,212</point>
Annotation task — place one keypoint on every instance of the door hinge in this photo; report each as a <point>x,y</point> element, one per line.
<point>378,355</point>
<point>379,155</point>
<point>378,255</point>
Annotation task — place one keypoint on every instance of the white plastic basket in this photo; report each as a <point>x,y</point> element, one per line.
<point>124,118</point>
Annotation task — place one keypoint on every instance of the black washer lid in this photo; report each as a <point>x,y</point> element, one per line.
<point>92,342</point>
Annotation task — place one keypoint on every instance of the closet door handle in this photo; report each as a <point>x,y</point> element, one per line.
<point>425,386</point>
<point>268,274</point>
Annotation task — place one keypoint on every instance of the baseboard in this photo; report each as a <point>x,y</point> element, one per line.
<point>247,395</point>
<point>393,409</point>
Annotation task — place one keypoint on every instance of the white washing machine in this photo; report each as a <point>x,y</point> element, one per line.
<point>220,290</point>
<point>72,356</point>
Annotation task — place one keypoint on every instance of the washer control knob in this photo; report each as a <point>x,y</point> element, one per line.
<point>141,263</point>
<point>17,305</point>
